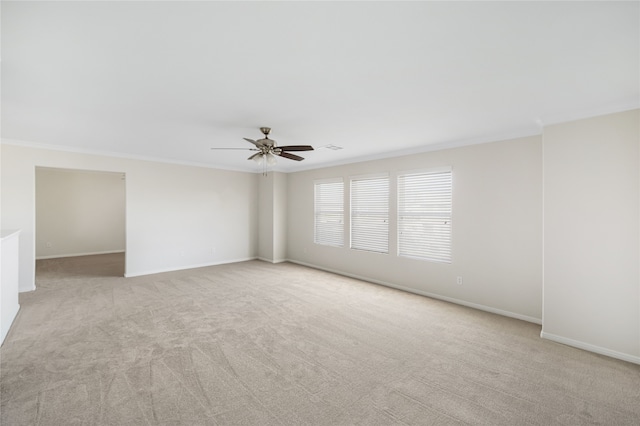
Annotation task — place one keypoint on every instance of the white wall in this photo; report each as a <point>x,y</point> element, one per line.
<point>177,216</point>
<point>79,212</point>
<point>280,217</point>
<point>497,228</point>
<point>591,234</point>
<point>265,218</point>
<point>272,240</point>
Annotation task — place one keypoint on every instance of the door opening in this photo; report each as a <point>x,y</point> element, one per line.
<point>80,222</point>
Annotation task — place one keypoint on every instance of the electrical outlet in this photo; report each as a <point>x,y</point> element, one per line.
<point>459,280</point>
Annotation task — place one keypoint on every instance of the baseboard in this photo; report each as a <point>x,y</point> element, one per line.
<point>182,268</point>
<point>264,259</point>
<point>591,348</point>
<point>59,256</point>
<point>32,288</point>
<point>427,294</point>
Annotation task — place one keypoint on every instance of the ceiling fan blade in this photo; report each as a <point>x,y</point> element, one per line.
<point>240,149</point>
<point>290,156</point>
<point>296,148</point>
<point>256,143</point>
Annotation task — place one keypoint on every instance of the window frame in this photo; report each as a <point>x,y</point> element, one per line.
<point>441,238</point>
<point>339,242</point>
<point>362,241</point>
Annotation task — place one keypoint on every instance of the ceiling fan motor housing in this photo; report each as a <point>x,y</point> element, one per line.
<point>269,149</point>
<point>267,142</point>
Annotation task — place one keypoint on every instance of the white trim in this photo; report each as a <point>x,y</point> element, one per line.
<point>58,256</point>
<point>425,171</point>
<point>181,268</point>
<point>365,194</point>
<point>437,146</point>
<point>368,176</point>
<point>329,180</point>
<point>87,151</point>
<point>614,108</point>
<point>67,170</point>
<point>591,348</point>
<point>427,294</point>
<point>326,204</point>
<point>535,129</point>
<point>428,249</point>
<point>274,261</point>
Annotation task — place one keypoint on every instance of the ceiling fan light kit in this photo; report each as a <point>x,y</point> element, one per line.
<point>260,158</point>
<point>271,159</point>
<point>268,150</point>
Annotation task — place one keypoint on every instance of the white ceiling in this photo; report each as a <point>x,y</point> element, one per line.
<point>170,80</point>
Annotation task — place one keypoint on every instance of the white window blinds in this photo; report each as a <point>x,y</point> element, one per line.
<point>329,213</point>
<point>370,214</point>
<point>424,215</point>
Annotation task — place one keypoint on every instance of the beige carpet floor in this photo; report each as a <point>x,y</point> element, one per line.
<point>260,344</point>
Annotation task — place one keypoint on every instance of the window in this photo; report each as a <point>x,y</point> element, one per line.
<point>424,215</point>
<point>370,214</point>
<point>329,212</point>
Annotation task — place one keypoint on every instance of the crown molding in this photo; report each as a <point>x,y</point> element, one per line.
<point>76,150</point>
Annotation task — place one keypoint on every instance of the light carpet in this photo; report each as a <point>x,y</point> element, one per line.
<point>260,344</point>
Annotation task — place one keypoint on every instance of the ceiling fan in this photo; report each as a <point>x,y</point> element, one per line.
<point>267,149</point>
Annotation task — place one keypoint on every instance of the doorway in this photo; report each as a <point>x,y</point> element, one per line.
<point>80,222</point>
